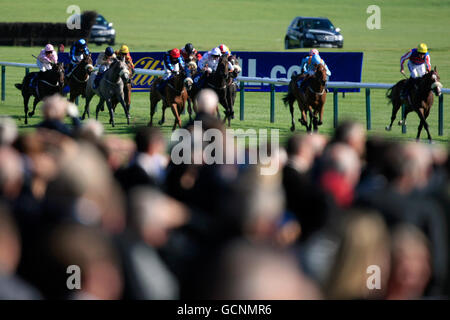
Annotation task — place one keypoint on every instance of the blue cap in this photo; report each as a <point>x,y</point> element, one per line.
<point>315,59</point>
<point>109,51</point>
<point>82,42</point>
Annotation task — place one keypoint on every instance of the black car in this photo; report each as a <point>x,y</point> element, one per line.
<point>312,32</point>
<point>102,32</point>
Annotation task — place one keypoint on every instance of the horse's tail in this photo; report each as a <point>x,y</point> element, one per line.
<point>390,94</point>
<point>289,98</point>
<point>18,86</point>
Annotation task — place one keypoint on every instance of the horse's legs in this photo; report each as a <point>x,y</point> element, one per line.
<point>423,122</point>
<point>177,120</point>
<point>89,96</point>
<point>291,109</point>
<point>99,106</point>
<point>189,107</point>
<point>35,102</point>
<point>125,107</point>
<point>26,98</point>
<point>111,113</point>
<point>395,106</point>
<point>163,118</point>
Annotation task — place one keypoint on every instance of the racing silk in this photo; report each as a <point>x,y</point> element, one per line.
<point>44,62</point>
<point>128,58</point>
<point>208,60</point>
<point>185,55</point>
<point>76,52</point>
<point>103,62</point>
<point>308,67</point>
<point>415,59</point>
<point>169,65</point>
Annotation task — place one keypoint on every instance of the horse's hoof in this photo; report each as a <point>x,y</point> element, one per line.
<point>388,128</point>
<point>319,123</point>
<point>292,128</point>
<point>160,122</point>
<point>30,114</point>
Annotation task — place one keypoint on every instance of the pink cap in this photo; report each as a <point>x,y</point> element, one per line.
<point>49,47</point>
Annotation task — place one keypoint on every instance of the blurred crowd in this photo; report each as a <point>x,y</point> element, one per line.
<point>139,226</point>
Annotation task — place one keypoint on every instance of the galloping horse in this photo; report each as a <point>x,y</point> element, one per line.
<point>218,81</point>
<point>420,100</point>
<point>231,84</point>
<point>175,96</point>
<point>126,88</point>
<point>311,101</point>
<point>110,86</point>
<point>46,84</point>
<point>79,77</point>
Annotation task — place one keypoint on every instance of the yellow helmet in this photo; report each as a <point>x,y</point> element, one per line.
<point>422,48</point>
<point>124,49</point>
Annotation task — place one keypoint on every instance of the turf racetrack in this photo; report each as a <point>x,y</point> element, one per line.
<point>257,25</point>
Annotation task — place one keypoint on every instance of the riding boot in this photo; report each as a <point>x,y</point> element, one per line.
<point>97,80</point>
<point>32,81</point>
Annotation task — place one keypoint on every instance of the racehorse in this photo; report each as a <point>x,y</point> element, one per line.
<point>420,100</point>
<point>78,78</point>
<point>312,100</point>
<point>175,96</point>
<point>218,81</point>
<point>46,84</point>
<point>126,88</point>
<point>110,86</point>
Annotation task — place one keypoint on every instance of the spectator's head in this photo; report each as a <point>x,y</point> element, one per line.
<point>54,107</point>
<point>9,242</point>
<point>92,251</point>
<point>207,101</point>
<point>407,166</point>
<point>342,159</point>
<point>300,152</point>
<point>364,243</point>
<point>150,140</point>
<point>154,215</point>
<point>11,173</point>
<point>8,131</point>
<point>91,130</point>
<point>411,263</point>
<point>353,134</point>
<point>254,272</point>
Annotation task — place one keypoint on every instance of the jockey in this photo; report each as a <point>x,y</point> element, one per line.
<point>173,63</point>
<point>124,52</point>
<point>210,60</point>
<point>46,57</point>
<point>419,63</point>
<point>188,51</point>
<point>78,49</point>
<point>103,62</point>
<point>224,49</point>
<point>308,66</point>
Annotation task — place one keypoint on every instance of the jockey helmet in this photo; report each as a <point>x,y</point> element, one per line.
<point>124,49</point>
<point>189,48</point>
<point>175,53</point>
<point>109,51</point>
<point>81,42</point>
<point>315,59</point>
<point>224,49</point>
<point>215,52</point>
<point>313,52</point>
<point>49,47</point>
<point>422,48</point>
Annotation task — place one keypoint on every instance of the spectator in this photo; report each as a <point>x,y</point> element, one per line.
<point>8,131</point>
<point>54,110</point>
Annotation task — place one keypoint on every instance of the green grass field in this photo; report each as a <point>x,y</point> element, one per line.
<point>255,25</point>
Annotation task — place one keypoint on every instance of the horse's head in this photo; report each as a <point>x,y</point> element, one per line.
<point>87,62</point>
<point>222,67</point>
<point>123,70</point>
<point>235,63</point>
<point>436,85</point>
<point>321,74</point>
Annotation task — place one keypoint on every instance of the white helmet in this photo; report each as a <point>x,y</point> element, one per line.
<point>216,52</point>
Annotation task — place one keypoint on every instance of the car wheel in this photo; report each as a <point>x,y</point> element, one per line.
<point>302,44</point>
<point>287,44</point>
<point>341,45</point>
<point>112,41</point>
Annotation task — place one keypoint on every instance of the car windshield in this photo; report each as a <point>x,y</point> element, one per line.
<point>101,21</point>
<point>320,24</point>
